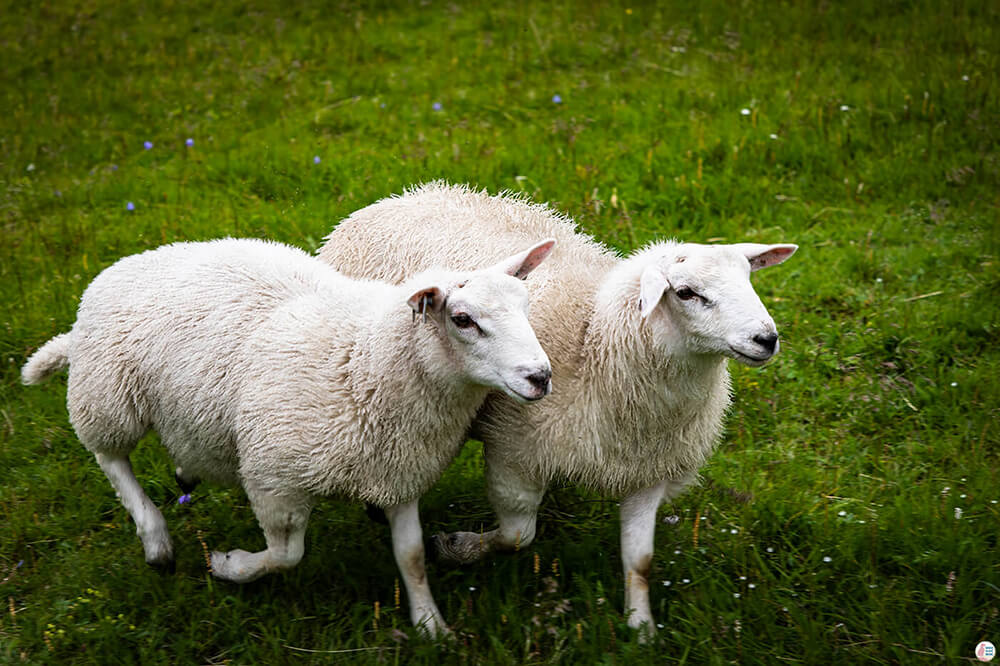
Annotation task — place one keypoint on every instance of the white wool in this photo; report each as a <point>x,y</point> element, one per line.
<point>638,349</point>
<point>625,412</point>
<point>255,361</point>
<point>262,366</point>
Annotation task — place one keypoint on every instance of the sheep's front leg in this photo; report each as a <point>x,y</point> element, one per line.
<point>408,548</point>
<point>149,522</point>
<point>515,500</point>
<point>638,526</point>
<point>638,518</point>
<point>283,519</point>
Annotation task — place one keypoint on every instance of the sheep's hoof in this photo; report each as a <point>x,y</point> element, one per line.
<point>159,552</point>
<point>187,485</point>
<point>458,547</point>
<point>434,628</point>
<point>646,629</point>
<point>164,565</point>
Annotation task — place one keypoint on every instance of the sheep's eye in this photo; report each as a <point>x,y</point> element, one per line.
<point>462,320</point>
<point>686,294</point>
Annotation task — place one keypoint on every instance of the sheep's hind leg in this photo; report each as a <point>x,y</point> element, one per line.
<point>515,500</point>
<point>149,522</point>
<point>283,519</point>
<point>408,548</point>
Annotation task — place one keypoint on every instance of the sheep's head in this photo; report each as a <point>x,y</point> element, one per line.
<point>483,318</point>
<point>700,296</point>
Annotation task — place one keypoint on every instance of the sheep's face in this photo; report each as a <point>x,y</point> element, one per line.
<point>484,319</point>
<point>701,296</point>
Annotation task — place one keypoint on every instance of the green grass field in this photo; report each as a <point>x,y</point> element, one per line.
<point>850,513</point>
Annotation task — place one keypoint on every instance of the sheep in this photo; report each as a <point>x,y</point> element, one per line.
<point>261,366</point>
<point>638,347</point>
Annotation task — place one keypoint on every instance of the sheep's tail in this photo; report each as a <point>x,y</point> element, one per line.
<point>53,356</point>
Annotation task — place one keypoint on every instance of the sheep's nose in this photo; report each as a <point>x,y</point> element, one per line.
<point>540,379</point>
<point>767,340</point>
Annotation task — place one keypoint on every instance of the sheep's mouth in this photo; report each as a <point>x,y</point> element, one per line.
<point>521,397</point>
<point>747,359</point>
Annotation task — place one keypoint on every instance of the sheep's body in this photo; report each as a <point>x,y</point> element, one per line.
<point>253,360</point>
<point>622,416</point>
<point>260,365</point>
<point>635,411</point>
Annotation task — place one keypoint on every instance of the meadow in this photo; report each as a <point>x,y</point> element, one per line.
<point>850,513</point>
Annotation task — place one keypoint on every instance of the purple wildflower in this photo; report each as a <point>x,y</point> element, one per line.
<point>130,206</point>
<point>148,145</point>
<point>184,499</point>
<point>556,99</point>
<point>436,106</point>
<point>114,167</point>
<point>189,143</point>
<point>316,159</point>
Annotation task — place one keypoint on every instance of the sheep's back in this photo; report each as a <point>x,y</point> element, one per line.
<point>159,342</point>
<point>455,227</point>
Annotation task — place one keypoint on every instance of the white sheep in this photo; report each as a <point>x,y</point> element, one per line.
<point>638,349</point>
<point>262,366</point>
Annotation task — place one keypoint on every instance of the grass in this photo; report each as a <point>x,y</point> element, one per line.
<point>871,137</point>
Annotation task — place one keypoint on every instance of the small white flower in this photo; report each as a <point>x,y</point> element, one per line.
<point>954,384</point>
<point>878,280</point>
<point>965,77</point>
<point>958,513</point>
<point>677,552</point>
<point>673,561</point>
<point>472,588</point>
<point>827,559</point>
<point>963,479</point>
<point>962,496</point>
<point>993,501</point>
<point>784,608</point>
<point>770,549</point>
<point>743,577</point>
<point>774,136</point>
<point>736,595</point>
<point>842,513</point>
<point>751,585</point>
<point>844,107</point>
<point>745,112</point>
<point>31,167</point>
<point>667,583</point>
<point>862,522</point>
<point>686,581</point>
<point>659,625</point>
<point>733,531</point>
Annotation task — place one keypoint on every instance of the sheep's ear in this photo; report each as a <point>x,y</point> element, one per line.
<point>427,300</point>
<point>764,256</point>
<point>523,263</point>
<point>652,284</point>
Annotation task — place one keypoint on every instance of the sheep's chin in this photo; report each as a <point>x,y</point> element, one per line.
<point>746,359</point>
<point>520,397</point>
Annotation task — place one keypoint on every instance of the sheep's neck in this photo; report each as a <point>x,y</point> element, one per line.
<point>406,383</point>
<point>621,356</point>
